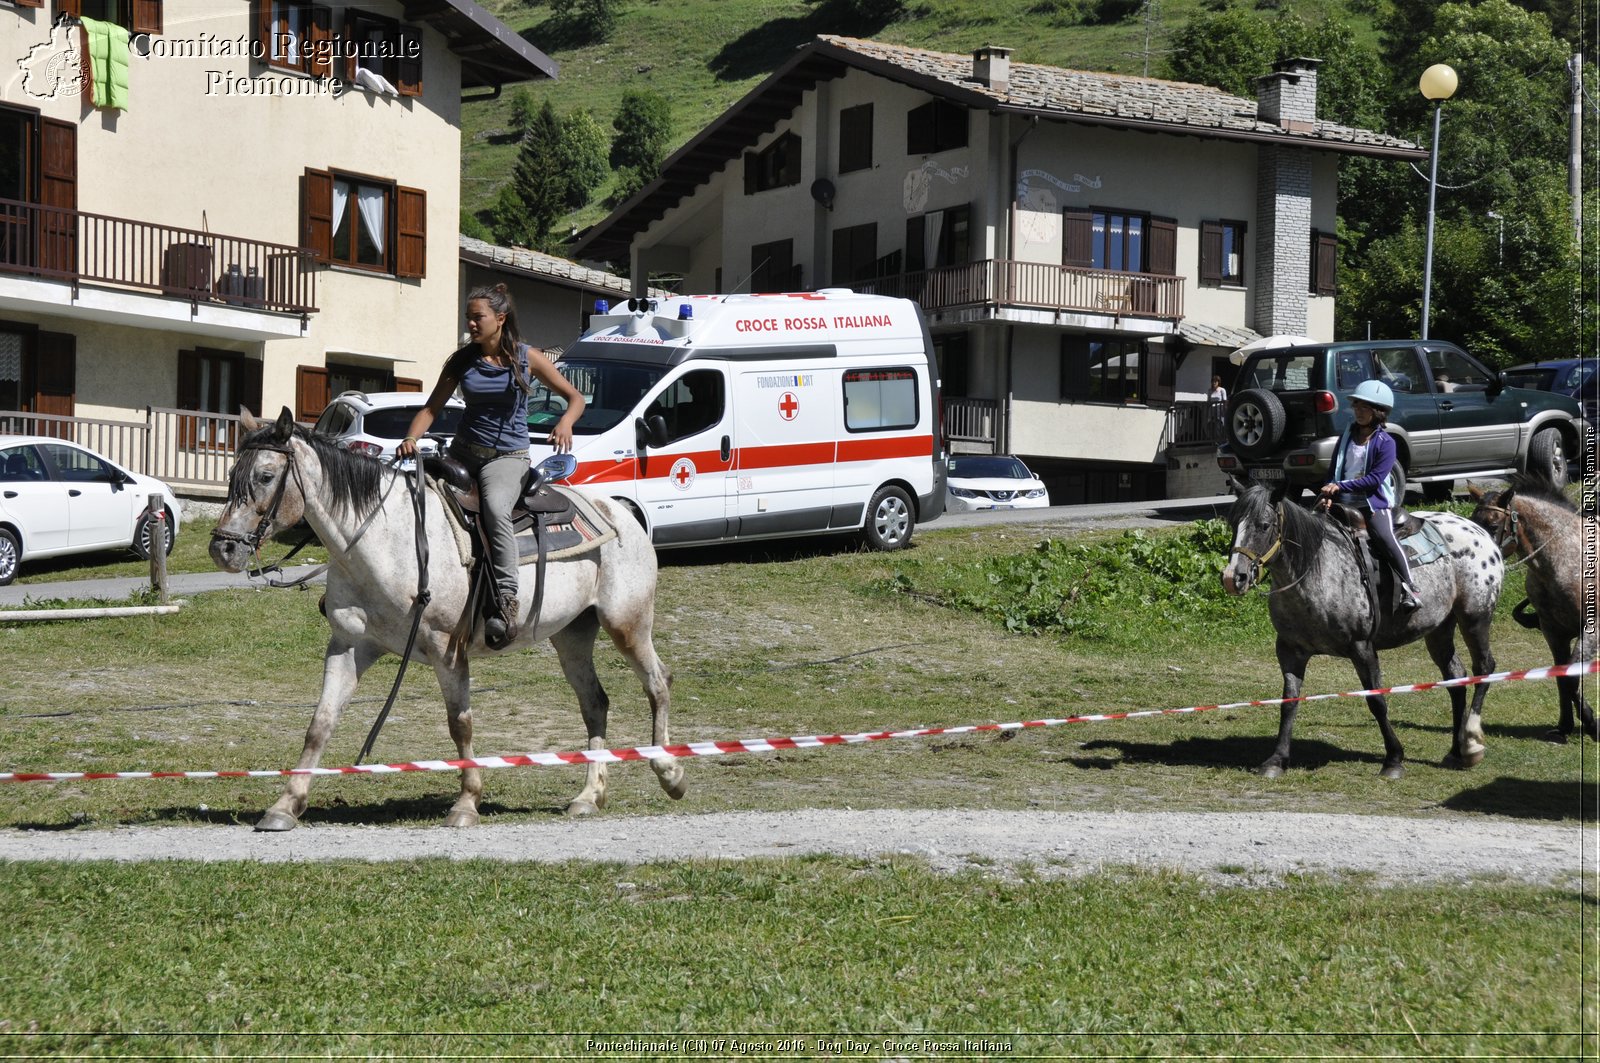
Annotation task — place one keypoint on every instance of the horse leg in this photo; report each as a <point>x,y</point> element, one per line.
<point>1442,648</point>
<point>574,646</point>
<point>1567,690</point>
<point>1365,659</point>
<point>1292,661</point>
<point>1587,646</point>
<point>634,640</point>
<point>342,669</point>
<point>455,683</point>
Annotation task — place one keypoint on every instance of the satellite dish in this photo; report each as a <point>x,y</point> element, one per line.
<point>823,192</point>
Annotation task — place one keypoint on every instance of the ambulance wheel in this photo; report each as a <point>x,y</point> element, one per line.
<point>633,510</point>
<point>890,519</point>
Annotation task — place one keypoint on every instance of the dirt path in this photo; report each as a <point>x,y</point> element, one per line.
<point>1233,847</point>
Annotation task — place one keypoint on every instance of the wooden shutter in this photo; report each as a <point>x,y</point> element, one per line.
<point>916,254</point>
<point>1163,247</point>
<point>348,37</point>
<point>411,225</point>
<point>1160,371</point>
<point>247,372</point>
<point>316,213</point>
<point>74,8</point>
<point>1077,238</point>
<point>310,392</point>
<point>407,383</point>
<point>29,3</point>
<point>146,16</point>
<point>318,46</point>
<point>409,65</point>
<point>188,397</point>
<point>752,165</point>
<point>919,130</point>
<point>1210,254</point>
<point>262,28</point>
<point>58,188</point>
<point>1324,263</point>
<point>55,373</point>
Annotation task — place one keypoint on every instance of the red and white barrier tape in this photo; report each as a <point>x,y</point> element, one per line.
<point>768,745</point>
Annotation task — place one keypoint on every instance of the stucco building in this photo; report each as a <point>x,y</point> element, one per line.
<point>1088,247</point>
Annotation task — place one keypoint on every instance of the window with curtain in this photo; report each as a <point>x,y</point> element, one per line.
<point>1221,253</point>
<point>360,223</point>
<point>939,238</point>
<point>1102,369</point>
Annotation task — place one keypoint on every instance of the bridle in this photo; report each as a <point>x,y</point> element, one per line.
<point>1262,558</point>
<point>254,538</point>
<point>1513,532</point>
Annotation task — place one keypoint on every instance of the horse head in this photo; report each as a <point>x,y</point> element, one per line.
<point>265,494</point>
<point>1257,521</point>
<point>1492,512</point>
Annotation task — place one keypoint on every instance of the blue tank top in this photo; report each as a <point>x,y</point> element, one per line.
<point>497,410</point>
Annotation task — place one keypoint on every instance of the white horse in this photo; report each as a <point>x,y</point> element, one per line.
<point>364,516</point>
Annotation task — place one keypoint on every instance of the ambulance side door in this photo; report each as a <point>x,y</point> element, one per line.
<point>683,486</point>
<point>786,434</point>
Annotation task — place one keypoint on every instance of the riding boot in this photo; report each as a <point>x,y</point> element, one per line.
<point>1408,597</point>
<point>510,610</point>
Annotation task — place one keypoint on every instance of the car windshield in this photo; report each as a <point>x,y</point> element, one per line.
<point>611,391</point>
<point>392,422</point>
<point>1283,372</point>
<point>986,467</point>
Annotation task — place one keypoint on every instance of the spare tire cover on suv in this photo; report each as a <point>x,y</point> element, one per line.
<point>1255,423</point>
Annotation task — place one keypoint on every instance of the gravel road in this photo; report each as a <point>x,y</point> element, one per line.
<point>1256,848</point>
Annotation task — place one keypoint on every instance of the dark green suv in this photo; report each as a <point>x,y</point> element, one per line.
<point>1453,418</point>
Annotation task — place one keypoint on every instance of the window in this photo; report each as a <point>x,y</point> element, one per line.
<point>1324,263</point>
<point>79,466</point>
<point>38,164</point>
<point>296,35</point>
<point>211,381</point>
<point>38,370</point>
<point>1221,253</point>
<point>772,268</point>
<point>1453,371</point>
<point>299,35</point>
<point>951,353</point>
<point>855,254</point>
<point>877,400</point>
<point>1102,369</point>
<point>364,222</point>
<point>135,16</point>
<point>939,238</point>
<point>1397,367</point>
<point>691,404</point>
<point>775,166</point>
<point>22,465</point>
<point>855,138</point>
<point>936,126</point>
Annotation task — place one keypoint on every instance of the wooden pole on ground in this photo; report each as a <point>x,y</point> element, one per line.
<point>156,523</point>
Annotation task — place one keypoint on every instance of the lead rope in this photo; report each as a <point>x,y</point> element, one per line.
<point>424,596</point>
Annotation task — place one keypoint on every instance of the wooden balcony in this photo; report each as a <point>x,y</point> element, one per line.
<point>80,247</point>
<point>1037,285</point>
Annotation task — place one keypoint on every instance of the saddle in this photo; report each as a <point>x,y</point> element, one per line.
<point>551,523</point>
<point>1419,539</point>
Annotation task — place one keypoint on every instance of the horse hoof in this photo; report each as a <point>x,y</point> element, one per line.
<point>1392,772</point>
<point>1554,736</point>
<point>461,817</point>
<point>1270,771</point>
<point>582,809</point>
<point>276,820</point>
<point>671,775</point>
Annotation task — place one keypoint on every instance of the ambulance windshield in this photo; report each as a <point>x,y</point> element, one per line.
<point>611,391</point>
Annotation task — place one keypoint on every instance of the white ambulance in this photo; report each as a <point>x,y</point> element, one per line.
<point>723,417</point>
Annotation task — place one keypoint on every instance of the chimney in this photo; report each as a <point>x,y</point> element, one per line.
<point>991,67</point>
<point>1287,97</point>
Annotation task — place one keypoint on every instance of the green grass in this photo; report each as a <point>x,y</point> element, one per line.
<point>479,957</point>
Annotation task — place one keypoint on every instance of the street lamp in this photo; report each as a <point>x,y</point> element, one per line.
<point>1438,83</point>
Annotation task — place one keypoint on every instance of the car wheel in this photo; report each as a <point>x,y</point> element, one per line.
<point>889,519</point>
<point>10,556</point>
<point>142,534</point>
<point>1255,424</point>
<point>1547,457</point>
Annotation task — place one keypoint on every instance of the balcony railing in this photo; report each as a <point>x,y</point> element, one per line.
<point>77,246</point>
<point>970,420</point>
<point>1194,423</point>
<point>1006,282</point>
<point>185,448</point>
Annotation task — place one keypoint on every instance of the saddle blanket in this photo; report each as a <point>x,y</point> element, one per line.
<point>1426,546</point>
<point>584,530</point>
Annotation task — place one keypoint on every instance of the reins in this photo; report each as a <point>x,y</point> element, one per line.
<point>424,596</point>
<point>1514,533</point>
<point>1269,553</point>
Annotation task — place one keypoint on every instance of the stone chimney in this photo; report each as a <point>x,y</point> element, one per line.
<point>1287,97</point>
<point>991,67</point>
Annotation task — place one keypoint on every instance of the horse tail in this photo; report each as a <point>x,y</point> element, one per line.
<point>1525,615</point>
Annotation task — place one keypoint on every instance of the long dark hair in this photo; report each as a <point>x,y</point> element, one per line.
<point>499,299</point>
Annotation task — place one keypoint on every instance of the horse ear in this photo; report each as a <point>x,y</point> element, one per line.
<point>247,420</point>
<point>1277,491</point>
<point>1474,491</point>
<point>283,428</point>
<point>1236,485</point>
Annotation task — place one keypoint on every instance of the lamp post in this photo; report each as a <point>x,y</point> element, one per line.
<point>1438,83</point>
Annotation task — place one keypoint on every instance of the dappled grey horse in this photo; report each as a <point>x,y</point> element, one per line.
<point>364,516</point>
<point>1318,606</point>
<point>1533,518</point>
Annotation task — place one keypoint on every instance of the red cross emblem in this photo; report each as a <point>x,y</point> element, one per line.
<point>788,406</point>
<point>682,474</point>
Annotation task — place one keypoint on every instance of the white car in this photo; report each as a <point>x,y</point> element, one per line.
<point>59,498</point>
<point>374,423</point>
<point>993,481</point>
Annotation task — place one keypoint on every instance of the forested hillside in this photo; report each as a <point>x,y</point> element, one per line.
<point>1506,266</point>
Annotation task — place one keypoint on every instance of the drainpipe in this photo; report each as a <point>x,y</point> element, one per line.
<point>491,95</point>
<point>1004,433</point>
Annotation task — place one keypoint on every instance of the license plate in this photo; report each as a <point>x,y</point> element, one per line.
<point>1275,475</point>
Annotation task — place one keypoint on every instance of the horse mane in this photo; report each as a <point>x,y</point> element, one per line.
<point>1532,485</point>
<point>1304,532</point>
<point>352,482</point>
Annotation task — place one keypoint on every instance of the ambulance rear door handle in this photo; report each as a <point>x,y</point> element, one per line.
<point>727,445</point>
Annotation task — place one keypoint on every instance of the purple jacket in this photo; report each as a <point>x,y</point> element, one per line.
<point>1374,485</point>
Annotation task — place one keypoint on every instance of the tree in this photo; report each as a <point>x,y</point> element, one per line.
<point>523,111</point>
<point>538,184</point>
<point>643,124</point>
<point>582,157</point>
<point>596,18</point>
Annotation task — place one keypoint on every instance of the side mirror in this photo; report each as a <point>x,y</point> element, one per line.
<point>1497,384</point>
<point>652,431</point>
